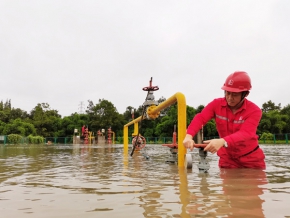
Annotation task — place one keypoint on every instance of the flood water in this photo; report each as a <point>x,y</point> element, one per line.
<point>104,181</point>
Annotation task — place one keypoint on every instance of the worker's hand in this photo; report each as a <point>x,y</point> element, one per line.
<point>188,142</point>
<point>214,145</point>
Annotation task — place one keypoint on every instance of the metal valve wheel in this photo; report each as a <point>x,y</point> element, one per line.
<point>140,143</point>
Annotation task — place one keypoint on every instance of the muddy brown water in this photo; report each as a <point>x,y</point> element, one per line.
<point>104,181</point>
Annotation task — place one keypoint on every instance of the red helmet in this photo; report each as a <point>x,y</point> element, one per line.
<point>238,81</point>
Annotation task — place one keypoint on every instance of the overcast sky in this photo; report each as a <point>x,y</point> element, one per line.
<point>64,52</point>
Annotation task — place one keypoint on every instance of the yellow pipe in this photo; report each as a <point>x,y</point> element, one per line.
<point>125,137</point>
<point>135,129</point>
<point>90,137</point>
<point>134,121</point>
<point>181,125</point>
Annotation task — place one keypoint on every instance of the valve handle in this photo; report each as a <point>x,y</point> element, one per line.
<point>150,87</point>
<point>139,143</point>
<point>200,145</point>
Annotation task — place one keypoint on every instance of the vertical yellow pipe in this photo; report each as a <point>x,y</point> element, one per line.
<point>135,129</point>
<point>181,107</point>
<point>125,131</point>
<point>125,138</point>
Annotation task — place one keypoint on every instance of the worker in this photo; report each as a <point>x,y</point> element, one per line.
<point>236,120</point>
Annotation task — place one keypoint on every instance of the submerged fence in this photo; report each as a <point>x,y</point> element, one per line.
<point>69,140</point>
<point>49,140</point>
<point>276,139</point>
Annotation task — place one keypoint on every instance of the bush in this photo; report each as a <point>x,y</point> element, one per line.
<point>14,139</point>
<point>267,136</point>
<point>35,139</point>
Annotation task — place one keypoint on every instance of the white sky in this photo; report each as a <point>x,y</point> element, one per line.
<point>64,52</point>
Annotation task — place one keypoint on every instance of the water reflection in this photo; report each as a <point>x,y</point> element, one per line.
<point>242,189</point>
<point>235,194</point>
<point>102,181</point>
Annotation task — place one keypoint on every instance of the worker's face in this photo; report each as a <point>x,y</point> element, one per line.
<point>233,98</point>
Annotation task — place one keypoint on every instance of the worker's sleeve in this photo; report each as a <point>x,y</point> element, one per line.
<point>202,118</point>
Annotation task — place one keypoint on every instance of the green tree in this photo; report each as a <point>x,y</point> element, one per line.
<point>2,126</point>
<point>274,120</point>
<point>190,113</point>
<point>209,130</point>
<point>270,106</point>
<point>4,116</point>
<point>75,121</point>
<point>265,124</point>
<point>277,122</point>
<point>286,111</point>
<point>165,127</point>
<point>129,113</point>
<point>105,115</point>
<point>5,109</point>
<point>19,127</point>
<point>46,120</point>
<point>18,113</point>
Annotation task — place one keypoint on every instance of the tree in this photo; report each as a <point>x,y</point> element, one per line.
<point>209,130</point>
<point>273,122</point>
<point>5,109</point>
<point>104,115</point>
<point>270,106</point>
<point>69,123</point>
<point>190,113</point>
<point>4,117</point>
<point>199,108</point>
<point>264,125</point>
<point>17,126</point>
<point>128,114</point>
<point>45,120</point>
<point>286,111</point>
<point>166,126</point>
<point>18,113</point>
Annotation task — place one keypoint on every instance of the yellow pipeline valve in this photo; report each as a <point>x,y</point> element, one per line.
<point>150,114</point>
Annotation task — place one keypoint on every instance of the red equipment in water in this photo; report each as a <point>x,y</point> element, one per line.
<point>140,143</point>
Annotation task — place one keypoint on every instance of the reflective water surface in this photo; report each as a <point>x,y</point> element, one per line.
<point>104,181</point>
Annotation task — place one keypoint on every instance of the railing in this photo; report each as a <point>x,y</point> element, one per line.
<point>149,140</point>
<point>69,140</point>
<point>59,140</point>
<point>48,140</point>
<point>277,139</point>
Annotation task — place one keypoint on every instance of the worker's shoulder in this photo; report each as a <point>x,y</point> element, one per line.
<point>221,101</point>
<point>251,105</point>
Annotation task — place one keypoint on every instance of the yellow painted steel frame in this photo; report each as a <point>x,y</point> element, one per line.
<point>181,125</point>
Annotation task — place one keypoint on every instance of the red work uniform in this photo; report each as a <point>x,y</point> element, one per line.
<point>238,130</point>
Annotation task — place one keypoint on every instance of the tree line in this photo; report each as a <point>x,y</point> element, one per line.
<point>46,122</point>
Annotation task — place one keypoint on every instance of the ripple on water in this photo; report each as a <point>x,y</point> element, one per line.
<point>102,181</point>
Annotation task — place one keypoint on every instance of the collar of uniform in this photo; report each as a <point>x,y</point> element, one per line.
<point>224,102</point>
